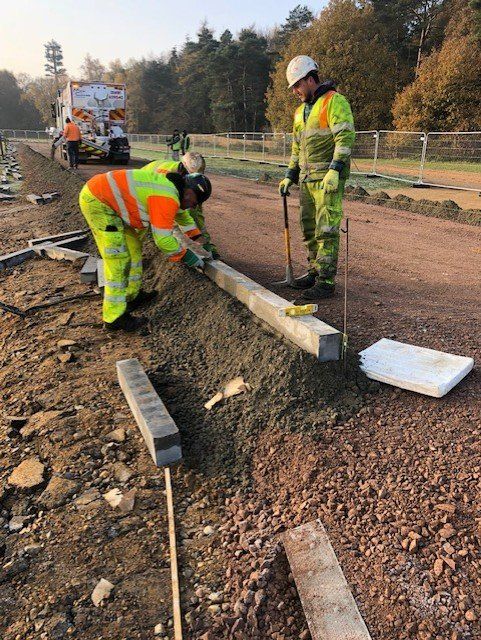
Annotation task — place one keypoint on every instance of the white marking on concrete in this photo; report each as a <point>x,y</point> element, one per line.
<point>330,609</point>
<point>154,421</point>
<point>426,371</point>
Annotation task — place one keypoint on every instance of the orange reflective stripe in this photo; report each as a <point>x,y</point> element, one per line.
<point>159,170</point>
<point>129,199</point>
<point>100,188</point>
<point>162,211</point>
<point>193,233</point>
<point>323,112</point>
<point>178,256</point>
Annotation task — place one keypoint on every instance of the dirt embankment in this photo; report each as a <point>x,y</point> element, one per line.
<point>394,477</point>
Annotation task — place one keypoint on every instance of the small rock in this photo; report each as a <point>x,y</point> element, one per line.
<point>209,531</point>
<point>57,492</point>
<point>470,615</point>
<point>122,472</point>
<point>28,474</point>
<point>159,629</point>
<point>17,523</point>
<point>128,501</point>
<point>438,567</point>
<point>101,592</point>
<point>214,609</point>
<point>62,344</point>
<point>114,497</point>
<point>65,357</point>
<point>118,435</point>
<point>216,597</point>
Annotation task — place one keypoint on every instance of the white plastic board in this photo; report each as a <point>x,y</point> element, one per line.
<point>426,371</point>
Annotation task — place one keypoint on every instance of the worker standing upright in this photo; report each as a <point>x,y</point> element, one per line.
<point>118,207</point>
<point>323,136</point>
<point>191,162</point>
<point>71,134</point>
<point>175,144</point>
<point>185,142</point>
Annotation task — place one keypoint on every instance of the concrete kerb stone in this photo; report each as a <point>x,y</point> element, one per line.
<point>309,333</point>
<point>57,252</point>
<point>88,272</point>
<point>330,609</point>
<point>154,421</point>
<point>58,238</point>
<point>17,257</point>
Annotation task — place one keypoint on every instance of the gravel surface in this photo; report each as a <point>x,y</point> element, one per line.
<point>395,477</point>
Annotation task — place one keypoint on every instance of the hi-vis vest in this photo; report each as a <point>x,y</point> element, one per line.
<point>161,166</point>
<point>326,136</point>
<point>142,198</point>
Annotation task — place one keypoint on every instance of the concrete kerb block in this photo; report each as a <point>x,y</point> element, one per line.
<point>59,237</point>
<point>309,333</point>
<point>12,259</point>
<point>34,199</point>
<point>154,421</point>
<point>60,253</point>
<point>330,609</point>
<point>88,272</point>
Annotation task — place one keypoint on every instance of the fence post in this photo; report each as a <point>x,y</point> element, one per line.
<point>424,139</point>
<point>284,149</point>
<point>376,151</point>
<point>245,146</point>
<point>214,148</point>
<point>263,147</point>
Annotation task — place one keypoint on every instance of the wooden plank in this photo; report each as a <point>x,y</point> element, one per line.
<point>425,371</point>
<point>154,421</point>
<point>330,609</point>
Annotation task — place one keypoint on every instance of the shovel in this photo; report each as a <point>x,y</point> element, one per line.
<point>289,280</point>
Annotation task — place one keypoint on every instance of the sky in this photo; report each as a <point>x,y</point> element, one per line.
<point>124,29</point>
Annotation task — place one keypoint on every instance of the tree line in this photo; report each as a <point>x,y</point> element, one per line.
<point>409,64</point>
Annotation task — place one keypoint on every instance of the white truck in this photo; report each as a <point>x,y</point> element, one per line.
<point>98,108</point>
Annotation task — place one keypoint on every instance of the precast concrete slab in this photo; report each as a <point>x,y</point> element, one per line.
<point>330,609</point>
<point>60,253</point>
<point>154,421</point>
<point>432,373</point>
<point>309,333</point>
<point>57,237</point>
<point>17,257</point>
<point>88,272</point>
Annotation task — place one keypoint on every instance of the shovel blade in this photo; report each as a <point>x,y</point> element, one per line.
<point>289,280</point>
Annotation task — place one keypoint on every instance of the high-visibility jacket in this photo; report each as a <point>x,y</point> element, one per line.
<point>322,139</point>
<point>142,199</point>
<point>161,166</point>
<point>71,132</point>
<point>175,142</point>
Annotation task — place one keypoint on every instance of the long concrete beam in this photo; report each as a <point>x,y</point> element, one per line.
<point>154,421</point>
<point>330,609</point>
<point>309,333</point>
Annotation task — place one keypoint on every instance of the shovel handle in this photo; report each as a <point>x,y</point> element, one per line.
<point>287,237</point>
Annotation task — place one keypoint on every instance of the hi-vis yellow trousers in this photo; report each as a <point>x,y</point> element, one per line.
<point>121,249</point>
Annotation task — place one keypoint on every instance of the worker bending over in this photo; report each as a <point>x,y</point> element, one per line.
<point>191,162</point>
<point>119,206</point>
<point>323,136</point>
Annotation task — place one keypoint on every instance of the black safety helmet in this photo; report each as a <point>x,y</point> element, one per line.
<point>199,183</point>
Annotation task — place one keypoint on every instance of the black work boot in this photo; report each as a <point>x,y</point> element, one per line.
<point>320,291</point>
<point>306,281</point>
<point>126,322</point>
<point>143,297</point>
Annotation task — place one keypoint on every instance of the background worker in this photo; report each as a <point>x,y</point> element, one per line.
<point>175,144</point>
<point>118,206</point>
<point>185,142</point>
<point>191,162</point>
<point>71,133</point>
<point>323,136</point>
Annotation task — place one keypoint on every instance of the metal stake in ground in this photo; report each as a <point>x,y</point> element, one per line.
<point>346,276</point>
<point>287,239</point>
<point>173,558</point>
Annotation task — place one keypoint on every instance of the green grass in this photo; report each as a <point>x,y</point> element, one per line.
<point>274,173</point>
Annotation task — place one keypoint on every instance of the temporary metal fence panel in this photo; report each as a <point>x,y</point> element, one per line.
<point>364,152</point>
<point>399,154</point>
<point>28,135</point>
<point>453,160</point>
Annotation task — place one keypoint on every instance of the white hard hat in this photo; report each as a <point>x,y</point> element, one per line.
<point>298,68</point>
<point>194,162</point>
